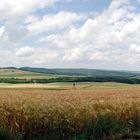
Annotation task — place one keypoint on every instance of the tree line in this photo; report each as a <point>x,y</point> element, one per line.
<point>72,79</point>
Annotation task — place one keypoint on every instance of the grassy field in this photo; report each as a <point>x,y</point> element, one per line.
<point>92,111</point>
<point>20,74</point>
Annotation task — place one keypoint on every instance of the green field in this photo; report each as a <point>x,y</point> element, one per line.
<point>20,74</point>
<point>69,85</point>
<point>43,75</point>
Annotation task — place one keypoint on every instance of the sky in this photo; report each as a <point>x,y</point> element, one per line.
<point>97,34</point>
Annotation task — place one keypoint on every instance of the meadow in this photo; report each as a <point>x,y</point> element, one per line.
<point>57,111</point>
<point>20,74</point>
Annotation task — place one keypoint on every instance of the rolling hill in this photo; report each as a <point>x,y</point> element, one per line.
<point>11,72</point>
<point>45,75</point>
<point>83,72</point>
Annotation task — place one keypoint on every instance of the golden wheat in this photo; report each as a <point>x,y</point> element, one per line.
<point>31,111</point>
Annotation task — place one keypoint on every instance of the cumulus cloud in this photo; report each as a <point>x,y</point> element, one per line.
<point>2,30</point>
<point>12,16</point>
<point>109,39</point>
<point>18,8</point>
<point>53,21</point>
<point>135,48</point>
<point>103,39</point>
<point>24,52</point>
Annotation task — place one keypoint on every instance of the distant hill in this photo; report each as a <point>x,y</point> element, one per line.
<point>83,72</point>
<point>45,75</point>
<point>12,72</point>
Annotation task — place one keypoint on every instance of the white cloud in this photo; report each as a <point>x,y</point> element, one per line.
<point>109,39</point>
<point>134,48</point>
<point>18,8</point>
<point>25,52</point>
<point>102,40</point>
<point>53,21</point>
<point>2,30</point>
<point>12,16</point>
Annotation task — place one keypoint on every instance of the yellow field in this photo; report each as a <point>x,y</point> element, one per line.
<point>59,112</point>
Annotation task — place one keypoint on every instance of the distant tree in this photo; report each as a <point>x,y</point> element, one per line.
<point>74,85</point>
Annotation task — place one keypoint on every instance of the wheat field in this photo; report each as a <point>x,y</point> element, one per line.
<point>89,112</point>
